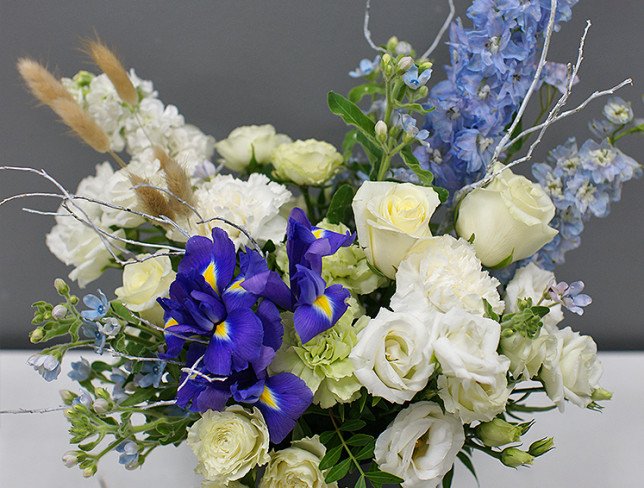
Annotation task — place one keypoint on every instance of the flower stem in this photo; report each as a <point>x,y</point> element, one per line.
<point>344,444</point>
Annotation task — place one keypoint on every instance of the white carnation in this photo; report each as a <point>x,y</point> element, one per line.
<point>444,273</point>
<point>531,282</point>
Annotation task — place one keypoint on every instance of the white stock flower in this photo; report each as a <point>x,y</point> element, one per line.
<point>390,218</point>
<point>144,282</point>
<point>573,371</point>
<point>254,205</point>
<point>531,282</point>
<point>297,466</point>
<point>508,218</point>
<point>229,444</point>
<point>242,143</point>
<point>309,162</point>
<point>444,273</point>
<point>393,356</point>
<point>420,445</point>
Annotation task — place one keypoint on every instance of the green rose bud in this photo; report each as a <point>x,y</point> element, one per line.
<point>498,432</point>
<point>541,446</point>
<point>514,457</point>
<point>599,394</point>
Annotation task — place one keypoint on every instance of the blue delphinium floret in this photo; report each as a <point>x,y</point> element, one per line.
<point>99,306</point>
<point>365,67</point>
<point>128,454</point>
<point>150,375</point>
<point>413,80</point>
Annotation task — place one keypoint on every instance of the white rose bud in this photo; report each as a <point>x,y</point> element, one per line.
<point>420,445</point>
<point>229,444</point>
<point>508,219</point>
<point>390,219</point>
<point>238,148</point>
<point>309,162</point>
<point>381,131</point>
<point>144,282</point>
<point>297,466</point>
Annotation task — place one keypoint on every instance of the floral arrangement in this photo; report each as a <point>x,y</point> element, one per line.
<point>303,316</point>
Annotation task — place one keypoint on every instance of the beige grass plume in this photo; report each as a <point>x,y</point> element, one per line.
<point>153,201</point>
<point>112,67</point>
<point>177,180</point>
<point>82,124</point>
<point>42,84</point>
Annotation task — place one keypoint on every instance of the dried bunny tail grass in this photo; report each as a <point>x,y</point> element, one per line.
<point>153,201</point>
<point>42,84</point>
<point>112,67</point>
<point>82,124</point>
<point>177,180</point>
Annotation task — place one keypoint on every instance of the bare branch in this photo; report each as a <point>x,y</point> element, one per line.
<point>367,32</point>
<point>33,410</point>
<point>441,32</point>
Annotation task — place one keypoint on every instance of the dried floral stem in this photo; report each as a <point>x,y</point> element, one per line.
<point>367,32</point>
<point>34,410</point>
<point>441,32</point>
<point>110,64</point>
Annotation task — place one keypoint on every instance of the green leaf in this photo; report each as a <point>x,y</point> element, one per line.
<point>340,210</point>
<point>468,464</point>
<point>348,144</point>
<point>416,107</point>
<point>425,176</point>
<point>331,457</point>
<point>350,113</point>
<point>505,262</point>
<point>122,312</point>
<point>383,477</point>
<point>338,471</point>
<point>360,440</point>
<point>352,425</point>
<point>365,453</point>
<point>139,396</point>
<point>357,93</point>
<point>327,437</point>
<point>361,483</point>
<point>447,480</point>
<point>443,194</point>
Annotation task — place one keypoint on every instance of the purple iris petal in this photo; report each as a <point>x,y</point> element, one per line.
<point>272,323</point>
<point>214,259</point>
<point>269,285</point>
<point>284,399</point>
<point>247,393</point>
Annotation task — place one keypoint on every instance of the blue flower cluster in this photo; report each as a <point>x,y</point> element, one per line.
<point>492,66</point>
<point>226,308</point>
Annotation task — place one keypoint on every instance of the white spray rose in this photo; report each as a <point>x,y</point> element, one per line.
<point>444,273</point>
<point>471,400</point>
<point>309,162</point>
<point>508,219</point>
<point>393,357</point>
<point>420,445</point>
<point>573,371</point>
<point>297,466</point>
<point>229,444</point>
<point>144,282</point>
<point>238,148</point>
<point>390,218</point>
<point>531,282</point>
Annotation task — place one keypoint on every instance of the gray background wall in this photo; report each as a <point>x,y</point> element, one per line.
<point>229,63</point>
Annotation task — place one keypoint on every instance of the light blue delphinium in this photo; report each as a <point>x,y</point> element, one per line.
<point>150,374</point>
<point>101,331</point>
<point>408,125</point>
<point>128,454</point>
<point>47,365</point>
<point>413,80</point>
<point>365,67</point>
<point>81,370</point>
<point>99,306</point>
<point>618,111</point>
<point>119,377</point>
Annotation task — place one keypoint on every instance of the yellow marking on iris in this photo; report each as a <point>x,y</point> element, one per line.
<point>318,233</point>
<point>323,304</point>
<point>236,286</point>
<point>170,323</point>
<point>210,275</point>
<point>221,330</point>
<point>268,399</point>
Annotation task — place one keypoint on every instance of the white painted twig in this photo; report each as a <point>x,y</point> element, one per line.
<point>367,32</point>
<point>441,32</point>
<point>34,410</point>
<point>236,226</point>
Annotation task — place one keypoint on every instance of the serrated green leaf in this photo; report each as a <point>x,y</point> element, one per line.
<point>340,210</point>
<point>357,93</point>
<point>338,471</point>
<point>360,440</point>
<point>352,425</point>
<point>331,457</point>
<point>351,114</point>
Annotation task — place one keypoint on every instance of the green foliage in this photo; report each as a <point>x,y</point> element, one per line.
<point>340,210</point>
<point>351,114</point>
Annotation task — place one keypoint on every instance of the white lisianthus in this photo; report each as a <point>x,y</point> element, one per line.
<point>297,466</point>
<point>309,162</point>
<point>508,219</point>
<point>144,282</point>
<point>242,143</point>
<point>253,204</point>
<point>527,354</point>
<point>390,218</point>
<point>323,363</point>
<point>420,445</point>
<point>573,371</point>
<point>471,400</point>
<point>393,357</point>
<point>229,444</point>
<point>444,273</point>
<point>466,347</point>
<point>532,282</point>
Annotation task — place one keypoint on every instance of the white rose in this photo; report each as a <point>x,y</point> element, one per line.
<point>527,354</point>
<point>229,444</point>
<point>144,282</point>
<point>573,371</point>
<point>237,149</point>
<point>466,347</point>
<point>531,282</point>
<point>390,218</point>
<point>393,355</point>
<point>309,162</point>
<point>471,400</point>
<point>444,273</point>
<point>297,466</point>
<point>508,219</point>
<point>420,445</point>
